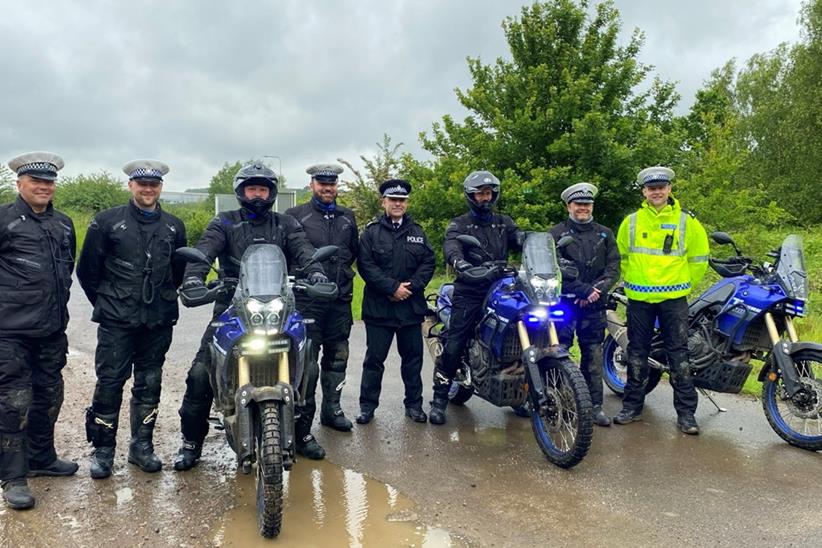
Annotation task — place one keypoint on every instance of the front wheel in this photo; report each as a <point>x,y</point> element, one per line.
<point>615,369</point>
<point>269,471</point>
<point>564,426</point>
<point>797,420</point>
<point>458,393</point>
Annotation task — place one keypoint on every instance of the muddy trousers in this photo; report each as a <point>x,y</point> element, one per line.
<point>31,394</point>
<point>466,312</point>
<point>673,323</point>
<point>589,325</point>
<point>378,343</point>
<point>197,400</point>
<point>121,350</point>
<point>329,332</point>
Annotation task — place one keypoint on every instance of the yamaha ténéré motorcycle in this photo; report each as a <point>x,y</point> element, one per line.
<point>258,357</point>
<point>514,358</point>
<point>747,315</point>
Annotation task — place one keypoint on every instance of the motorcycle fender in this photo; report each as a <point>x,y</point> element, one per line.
<point>805,345</point>
<point>782,360</point>
<point>243,433</point>
<point>531,357</point>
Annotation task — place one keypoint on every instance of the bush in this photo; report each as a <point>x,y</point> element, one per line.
<point>195,217</point>
<point>90,193</point>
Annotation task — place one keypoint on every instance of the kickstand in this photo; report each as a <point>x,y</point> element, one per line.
<point>713,401</point>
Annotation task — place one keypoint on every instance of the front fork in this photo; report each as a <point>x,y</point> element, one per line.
<point>281,393</point>
<point>782,353</point>
<point>531,357</point>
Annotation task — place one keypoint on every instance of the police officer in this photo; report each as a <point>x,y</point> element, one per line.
<point>37,246</point>
<point>226,238</point>
<point>594,253</point>
<point>130,275</point>
<point>664,253</point>
<point>498,234</point>
<point>327,223</point>
<point>397,262</point>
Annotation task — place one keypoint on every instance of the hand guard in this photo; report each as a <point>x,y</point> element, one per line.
<point>191,282</point>
<point>317,278</point>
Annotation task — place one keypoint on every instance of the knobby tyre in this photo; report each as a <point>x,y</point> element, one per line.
<point>563,428</point>
<point>797,420</point>
<point>458,393</point>
<point>615,368</point>
<point>269,471</point>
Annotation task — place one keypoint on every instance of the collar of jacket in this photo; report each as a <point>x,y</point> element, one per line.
<point>579,227</point>
<point>388,223</point>
<point>144,216</point>
<point>249,216</point>
<point>26,208</point>
<point>671,207</point>
<point>325,209</point>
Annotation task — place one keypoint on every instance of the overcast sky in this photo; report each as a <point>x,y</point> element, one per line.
<point>198,83</point>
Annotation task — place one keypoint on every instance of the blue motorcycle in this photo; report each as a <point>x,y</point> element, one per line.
<point>514,358</point>
<point>258,357</point>
<point>747,315</point>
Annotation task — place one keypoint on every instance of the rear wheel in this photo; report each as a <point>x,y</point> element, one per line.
<point>797,420</point>
<point>615,368</point>
<point>269,471</point>
<point>564,426</point>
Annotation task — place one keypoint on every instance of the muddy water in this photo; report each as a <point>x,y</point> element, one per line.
<point>326,505</point>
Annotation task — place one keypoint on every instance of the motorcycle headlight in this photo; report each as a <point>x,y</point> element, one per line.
<point>266,318</point>
<point>545,289</point>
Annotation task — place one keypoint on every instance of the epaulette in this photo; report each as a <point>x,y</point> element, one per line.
<point>689,212</point>
<point>372,222</point>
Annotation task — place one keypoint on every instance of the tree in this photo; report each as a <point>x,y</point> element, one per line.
<point>362,194</point>
<point>7,181</point>
<point>223,181</point>
<point>565,108</point>
<point>90,193</point>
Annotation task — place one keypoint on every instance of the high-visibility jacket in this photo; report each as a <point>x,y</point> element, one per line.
<point>651,272</point>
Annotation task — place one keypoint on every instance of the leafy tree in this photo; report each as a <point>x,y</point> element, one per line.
<point>567,107</point>
<point>223,181</point>
<point>90,193</point>
<point>362,194</point>
<point>7,182</point>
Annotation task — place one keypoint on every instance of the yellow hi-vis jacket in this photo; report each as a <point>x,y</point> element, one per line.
<point>652,275</point>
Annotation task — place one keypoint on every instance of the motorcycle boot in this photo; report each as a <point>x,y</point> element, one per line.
<point>308,447</point>
<point>600,418</point>
<point>687,424</point>
<point>16,494</point>
<point>57,467</point>
<point>188,455</point>
<point>141,448</point>
<point>627,416</point>
<point>436,415</point>
<point>331,414</point>
<point>101,431</point>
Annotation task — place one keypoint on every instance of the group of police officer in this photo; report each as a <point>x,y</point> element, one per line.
<point>130,273</point>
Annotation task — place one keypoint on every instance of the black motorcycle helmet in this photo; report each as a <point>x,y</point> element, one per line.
<point>476,181</point>
<point>255,173</point>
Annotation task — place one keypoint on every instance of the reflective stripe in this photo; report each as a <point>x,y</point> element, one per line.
<point>633,248</point>
<point>698,259</point>
<point>658,288</point>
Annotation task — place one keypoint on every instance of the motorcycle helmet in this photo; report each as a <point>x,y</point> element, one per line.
<point>256,173</point>
<point>476,181</point>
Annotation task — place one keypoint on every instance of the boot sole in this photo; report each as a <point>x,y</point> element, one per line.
<point>100,476</point>
<point>19,506</point>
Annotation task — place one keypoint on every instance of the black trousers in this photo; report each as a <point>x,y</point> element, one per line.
<point>31,394</point>
<point>466,312</point>
<point>378,343</point>
<point>329,333</point>
<point>197,400</point>
<point>589,324</point>
<point>673,323</point>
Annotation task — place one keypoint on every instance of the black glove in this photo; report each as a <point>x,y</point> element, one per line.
<point>317,278</point>
<point>462,265</point>
<point>191,282</point>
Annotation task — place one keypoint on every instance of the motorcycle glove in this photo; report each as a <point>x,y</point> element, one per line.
<point>462,265</point>
<point>191,282</point>
<point>317,278</point>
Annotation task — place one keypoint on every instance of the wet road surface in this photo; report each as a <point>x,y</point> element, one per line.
<point>480,480</point>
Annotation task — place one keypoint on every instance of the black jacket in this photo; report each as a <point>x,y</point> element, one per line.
<point>336,228</point>
<point>36,262</point>
<point>594,252</point>
<point>498,235</point>
<point>388,257</point>
<point>230,233</point>
<point>128,269</point>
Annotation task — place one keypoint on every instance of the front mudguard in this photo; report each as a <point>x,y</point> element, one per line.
<point>246,400</point>
<point>532,357</point>
<point>782,361</point>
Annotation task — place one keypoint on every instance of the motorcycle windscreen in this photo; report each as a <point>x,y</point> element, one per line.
<point>539,256</point>
<point>263,273</point>
<point>791,268</point>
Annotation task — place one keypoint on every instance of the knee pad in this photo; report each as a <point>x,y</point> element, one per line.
<point>14,409</point>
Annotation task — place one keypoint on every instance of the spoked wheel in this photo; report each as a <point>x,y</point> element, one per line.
<point>615,368</point>
<point>269,471</point>
<point>564,426</point>
<point>797,420</point>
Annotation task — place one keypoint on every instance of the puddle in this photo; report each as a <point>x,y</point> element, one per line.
<point>124,495</point>
<point>326,505</point>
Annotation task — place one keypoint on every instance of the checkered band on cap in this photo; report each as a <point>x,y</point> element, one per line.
<point>146,173</point>
<point>37,166</point>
